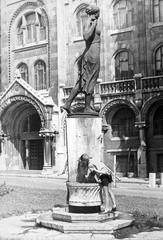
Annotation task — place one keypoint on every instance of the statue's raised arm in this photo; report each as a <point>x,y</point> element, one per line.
<point>89,62</point>
<point>89,28</point>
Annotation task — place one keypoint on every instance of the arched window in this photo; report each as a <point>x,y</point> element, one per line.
<point>31,28</point>
<point>23,68</point>
<point>123,123</point>
<point>42,28</point>
<point>124,68</point>
<point>40,75</point>
<point>158,121</point>
<point>157,11</point>
<point>32,123</point>
<point>26,125</point>
<point>159,61</point>
<point>81,17</point>
<point>20,33</point>
<point>122,12</point>
<point>35,122</point>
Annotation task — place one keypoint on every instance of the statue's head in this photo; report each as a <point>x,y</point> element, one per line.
<point>93,10</point>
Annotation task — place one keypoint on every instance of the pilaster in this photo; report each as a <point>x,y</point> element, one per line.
<point>48,137</point>
<point>142,150</point>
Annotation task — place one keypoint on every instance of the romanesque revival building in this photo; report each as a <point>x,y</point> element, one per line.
<point>41,42</point>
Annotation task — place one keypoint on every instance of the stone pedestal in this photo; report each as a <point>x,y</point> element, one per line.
<point>83,136</point>
<point>66,222</point>
<point>83,214</point>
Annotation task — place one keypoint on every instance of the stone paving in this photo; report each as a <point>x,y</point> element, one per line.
<point>24,228</point>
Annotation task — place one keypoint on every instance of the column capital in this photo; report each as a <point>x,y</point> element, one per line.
<point>140,124</point>
<point>44,132</point>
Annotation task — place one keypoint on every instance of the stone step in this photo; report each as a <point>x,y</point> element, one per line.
<point>104,227</point>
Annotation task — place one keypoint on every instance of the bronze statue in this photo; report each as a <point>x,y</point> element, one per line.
<point>89,62</point>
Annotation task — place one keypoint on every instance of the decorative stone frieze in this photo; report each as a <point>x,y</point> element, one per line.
<point>47,133</point>
<point>84,194</point>
<point>115,102</point>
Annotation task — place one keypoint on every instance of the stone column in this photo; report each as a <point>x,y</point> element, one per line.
<point>138,90</point>
<point>48,136</point>
<point>61,161</point>
<point>2,154</point>
<point>27,154</point>
<point>84,135</point>
<point>142,158</point>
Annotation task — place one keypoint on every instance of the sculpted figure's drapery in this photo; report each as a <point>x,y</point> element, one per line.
<point>89,62</point>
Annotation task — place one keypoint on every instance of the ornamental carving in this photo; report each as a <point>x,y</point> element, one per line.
<point>119,102</point>
<point>148,104</point>
<point>8,101</point>
<point>47,133</point>
<point>84,194</point>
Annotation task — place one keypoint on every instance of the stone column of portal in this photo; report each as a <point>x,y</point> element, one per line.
<point>48,136</point>
<point>83,136</point>
<point>27,153</point>
<point>142,158</point>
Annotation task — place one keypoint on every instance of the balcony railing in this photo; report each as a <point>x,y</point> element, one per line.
<point>124,86</point>
<point>128,86</point>
<point>152,83</point>
<point>67,90</point>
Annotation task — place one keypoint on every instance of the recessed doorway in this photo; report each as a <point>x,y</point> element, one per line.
<point>36,154</point>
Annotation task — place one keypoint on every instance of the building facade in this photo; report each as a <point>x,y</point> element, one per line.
<point>41,42</point>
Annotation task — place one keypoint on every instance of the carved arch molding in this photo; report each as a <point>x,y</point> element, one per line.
<point>109,106</point>
<point>11,100</point>
<point>149,104</point>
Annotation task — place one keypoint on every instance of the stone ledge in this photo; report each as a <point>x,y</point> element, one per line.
<point>106,227</point>
<point>66,216</point>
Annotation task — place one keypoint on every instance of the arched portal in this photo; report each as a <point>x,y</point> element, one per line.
<point>120,136</point>
<point>22,146</point>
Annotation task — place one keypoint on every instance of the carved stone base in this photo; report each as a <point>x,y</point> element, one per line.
<point>83,223</point>
<point>65,215</point>
<point>84,197</point>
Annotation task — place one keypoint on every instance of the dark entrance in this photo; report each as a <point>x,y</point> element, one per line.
<point>32,143</point>
<point>36,154</point>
